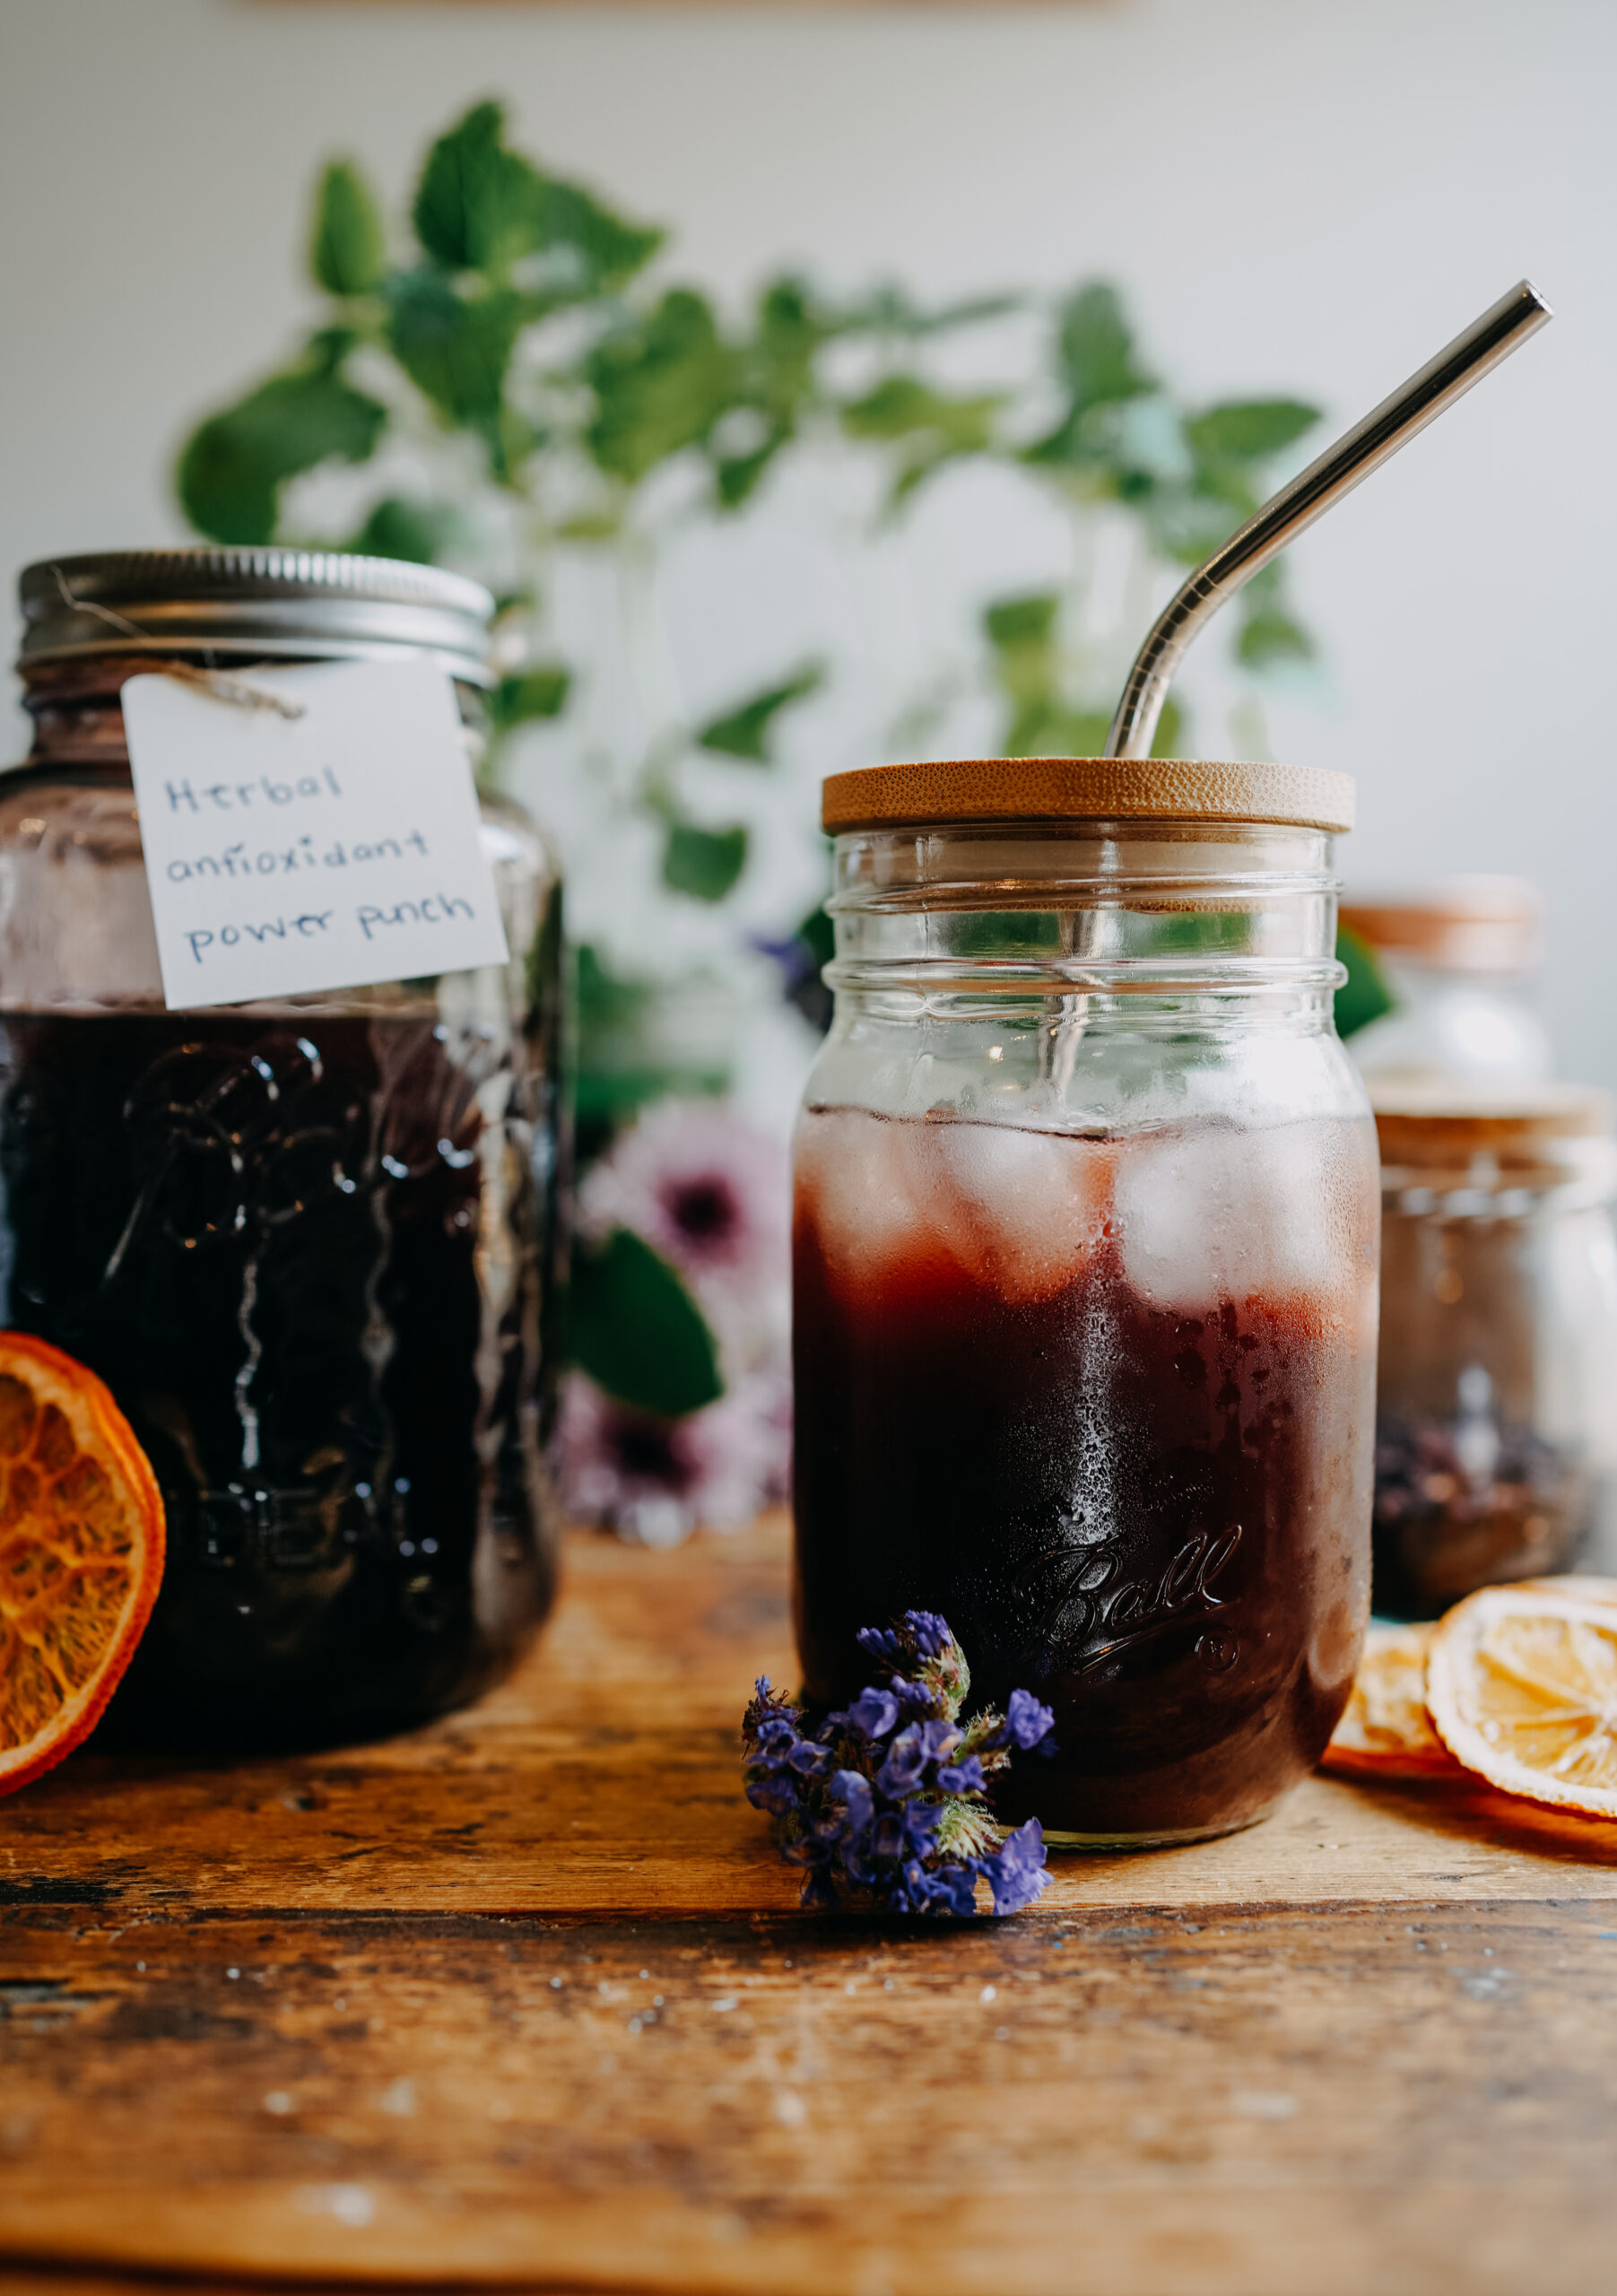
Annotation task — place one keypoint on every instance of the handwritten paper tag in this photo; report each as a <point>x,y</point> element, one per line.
<point>328,850</point>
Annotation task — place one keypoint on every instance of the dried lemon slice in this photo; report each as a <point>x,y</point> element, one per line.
<point>81,1553</point>
<point>1384,1727</point>
<point>1521,1684</point>
<point>1573,1587</point>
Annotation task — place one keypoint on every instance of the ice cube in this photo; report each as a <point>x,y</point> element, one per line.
<point>1022,1210</point>
<point>1016,1211</point>
<point>857,1182</point>
<point>1219,1213</point>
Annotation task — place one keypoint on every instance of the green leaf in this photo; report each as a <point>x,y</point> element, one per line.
<point>1021,621</point>
<point>933,428</point>
<point>478,206</point>
<point>625,1059</point>
<point>1199,931</point>
<point>1248,430</point>
<point>1007,932</point>
<point>1027,669</point>
<point>1268,637</point>
<point>539,692</point>
<point>744,732</point>
<point>347,252</point>
<point>398,528</point>
<point>454,348</point>
<point>233,467</point>
<point>1052,730</point>
<point>792,325</point>
<point>605,1000</point>
<point>483,207</point>
<point>704,863</point>
<point>889,311</point>
<point>591,525</point>
<point>1095,352</point>
<point>902,406</point>
<point>636,1330</point>
<point>608,250</point>
<point>1364,996</point>
<point>773,381</point>
<point>1170,731</point>
<point>735,476</point>
<point>661,384</point>
<point>1096,348</point>
<point>1084,732</point>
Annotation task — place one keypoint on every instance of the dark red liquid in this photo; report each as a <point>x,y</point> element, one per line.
<point>1156,1520</point>
<point>307,1255</point>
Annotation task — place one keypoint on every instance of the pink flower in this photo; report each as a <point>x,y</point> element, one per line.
<point>656,1479</point>
<point>702,1187</point>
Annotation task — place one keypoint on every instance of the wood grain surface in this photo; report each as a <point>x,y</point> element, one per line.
<point>524,2000</point>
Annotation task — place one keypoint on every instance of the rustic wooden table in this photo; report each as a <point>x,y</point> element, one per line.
<point>524,1999</point>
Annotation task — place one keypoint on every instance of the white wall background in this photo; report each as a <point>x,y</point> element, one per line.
<point>1297,194</point>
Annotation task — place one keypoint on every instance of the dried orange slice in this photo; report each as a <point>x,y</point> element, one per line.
<point>1521,1684</point>
<point>81,1553</point>
<point>1384,1727</point>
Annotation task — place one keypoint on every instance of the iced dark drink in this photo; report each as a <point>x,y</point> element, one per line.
<point>1105,1405</point>
<point>1085,1268</point>
<point>305,1257</point>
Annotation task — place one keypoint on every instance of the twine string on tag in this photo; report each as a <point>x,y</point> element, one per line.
<point>240,692</point>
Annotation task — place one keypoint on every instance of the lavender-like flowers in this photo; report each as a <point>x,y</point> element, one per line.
<point>886,1799</point>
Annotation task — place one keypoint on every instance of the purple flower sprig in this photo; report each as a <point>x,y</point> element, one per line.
<point>886,1800</point>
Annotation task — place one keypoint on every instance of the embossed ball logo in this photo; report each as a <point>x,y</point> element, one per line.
<point>1067,1591</point>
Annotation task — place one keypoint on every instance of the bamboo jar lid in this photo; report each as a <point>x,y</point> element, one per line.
<point>1464,924</point>
<point>1085,789</point>
<point>1444,1125</point>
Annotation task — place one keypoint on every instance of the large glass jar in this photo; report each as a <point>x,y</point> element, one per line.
<point>308,1243</point>
<point>1085,1273</point>
<point>1496,1433</point>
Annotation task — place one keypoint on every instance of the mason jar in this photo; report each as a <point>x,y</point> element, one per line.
<point>1496,1413</point>
<point>1085,1273</point>
<point>309,1242</point>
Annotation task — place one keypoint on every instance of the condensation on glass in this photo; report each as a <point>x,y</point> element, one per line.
<point>1496,1436</point>
<point>1085,1269</point>
<point>310,1243</point>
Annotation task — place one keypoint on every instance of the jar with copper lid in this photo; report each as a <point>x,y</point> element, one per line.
<point>308,1241</point>
<point>1084,1273</point>
<point>1496,1415</point>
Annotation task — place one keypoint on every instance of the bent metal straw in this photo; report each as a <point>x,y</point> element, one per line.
<point>1361,450</point>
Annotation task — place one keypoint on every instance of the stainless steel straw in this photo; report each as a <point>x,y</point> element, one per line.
<point>1361,450</point>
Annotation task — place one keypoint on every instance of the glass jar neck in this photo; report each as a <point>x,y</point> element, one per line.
<point>78,713</point>
<point>1195,916</point>
<point>78,717</point>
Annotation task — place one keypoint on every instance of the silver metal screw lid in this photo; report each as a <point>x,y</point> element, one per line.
<point>252,605</point>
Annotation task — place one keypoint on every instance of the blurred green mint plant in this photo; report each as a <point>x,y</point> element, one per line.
<point>522,343</point>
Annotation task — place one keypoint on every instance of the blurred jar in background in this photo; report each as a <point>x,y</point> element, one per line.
<point>1458,957</point>
<point>1496,1433</point>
